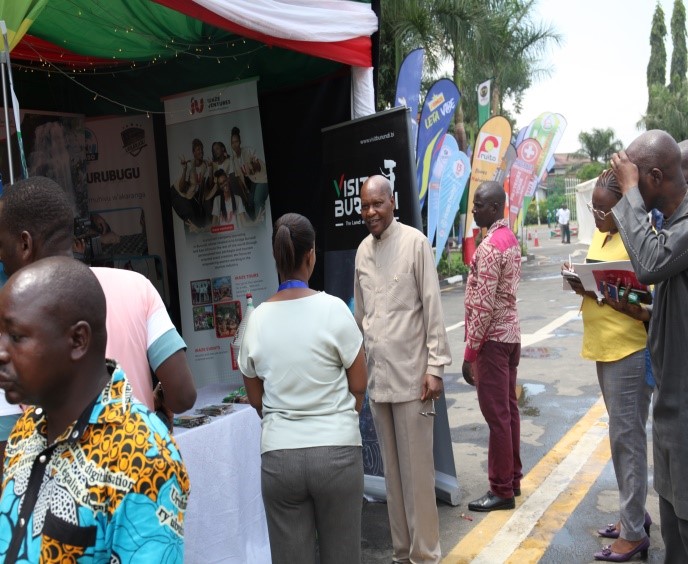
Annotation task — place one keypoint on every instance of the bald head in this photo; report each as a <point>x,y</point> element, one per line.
<point>65,290</point>
<point>492,192</point>
<point>683,146</point>
<point>488,203</point>
<point>656,149</point>
<point>661,180</point>
<point>377,204</point>
<point>379,182</point>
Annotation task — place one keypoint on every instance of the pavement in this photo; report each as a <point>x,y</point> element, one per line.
<point>569,488</point>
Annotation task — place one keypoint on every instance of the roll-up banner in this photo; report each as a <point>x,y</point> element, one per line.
<point>221,218</point>
<point>120,169</point>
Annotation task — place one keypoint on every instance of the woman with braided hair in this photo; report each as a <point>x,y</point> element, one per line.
<point>617,343</point>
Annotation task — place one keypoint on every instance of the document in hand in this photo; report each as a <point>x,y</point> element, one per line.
<point>618,275</point>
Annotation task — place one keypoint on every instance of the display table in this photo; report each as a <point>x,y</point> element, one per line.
<point>225,518</point>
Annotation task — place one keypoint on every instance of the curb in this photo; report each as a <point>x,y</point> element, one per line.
<point>451,281</point>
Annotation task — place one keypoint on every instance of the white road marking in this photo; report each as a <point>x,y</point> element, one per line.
<point>520,524</point>
<point>539,335</point>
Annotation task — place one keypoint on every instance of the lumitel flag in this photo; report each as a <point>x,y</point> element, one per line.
<point>483,102</point>
<point>547,129</point>
<point>452,186</point>
<point>438,109</point>
<point>493,139</point>
<point>408,87</point>
<point>522,175</point>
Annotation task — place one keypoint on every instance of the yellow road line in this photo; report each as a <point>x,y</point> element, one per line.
<point>484,532</point>
<point>551,522</point>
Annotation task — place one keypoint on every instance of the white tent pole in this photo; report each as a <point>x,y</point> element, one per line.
<point>3,65</point>
<point>15,102</point>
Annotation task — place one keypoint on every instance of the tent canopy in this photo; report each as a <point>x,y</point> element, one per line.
<point>168,46</point>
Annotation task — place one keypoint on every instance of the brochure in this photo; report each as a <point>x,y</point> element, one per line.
<point>618,275</point>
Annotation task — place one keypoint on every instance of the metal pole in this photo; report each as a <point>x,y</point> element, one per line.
<point>15,102</point>
<point>3,65</point>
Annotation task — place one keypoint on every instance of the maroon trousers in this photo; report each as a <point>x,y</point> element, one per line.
<point>496,385</point>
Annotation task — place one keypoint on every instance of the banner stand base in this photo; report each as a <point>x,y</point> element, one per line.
<point>446,488</point>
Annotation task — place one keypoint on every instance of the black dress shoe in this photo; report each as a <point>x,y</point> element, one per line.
<point>491,502</point>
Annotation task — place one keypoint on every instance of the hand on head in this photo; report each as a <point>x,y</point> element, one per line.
<point>625,171</point>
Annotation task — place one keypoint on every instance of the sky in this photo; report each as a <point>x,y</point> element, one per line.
<point>598,77</point>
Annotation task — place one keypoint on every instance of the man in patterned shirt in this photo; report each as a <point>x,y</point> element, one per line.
<point>493,345</point>
<point>90,475</point>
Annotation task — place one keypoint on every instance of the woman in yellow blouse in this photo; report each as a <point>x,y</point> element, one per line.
<point>617,343</point>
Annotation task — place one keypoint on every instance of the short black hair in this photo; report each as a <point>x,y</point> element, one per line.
<point>40,206</point>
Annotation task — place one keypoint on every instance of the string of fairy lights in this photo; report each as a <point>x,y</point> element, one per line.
<point>169,49</point>
<point>47,66</point>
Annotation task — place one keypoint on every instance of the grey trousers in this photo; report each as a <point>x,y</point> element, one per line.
<point>405,438</point>
<point>309,490</point>
<point>627,398</point>
<point>674,533</point>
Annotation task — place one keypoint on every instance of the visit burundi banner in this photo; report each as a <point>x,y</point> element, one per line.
<point>522,175</point>
<point>408,87</point>
<point>491,146</point>
<point>221,218</point>
<point>438,109</point>
<point>483,102</point>
<point>452,186</point>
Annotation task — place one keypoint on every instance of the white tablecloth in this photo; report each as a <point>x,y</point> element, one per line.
<point>225,518</point>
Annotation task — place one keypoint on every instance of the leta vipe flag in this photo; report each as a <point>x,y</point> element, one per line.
<point>438,109</point>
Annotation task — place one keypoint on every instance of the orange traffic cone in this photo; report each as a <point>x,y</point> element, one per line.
<point>536,243</point>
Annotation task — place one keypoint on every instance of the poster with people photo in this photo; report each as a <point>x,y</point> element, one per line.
<point>221,217</point>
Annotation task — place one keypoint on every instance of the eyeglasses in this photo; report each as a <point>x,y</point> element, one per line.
<point>598,213</point>
<point>430,413</point>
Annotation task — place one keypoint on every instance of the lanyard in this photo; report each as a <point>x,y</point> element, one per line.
<point>292,284</point>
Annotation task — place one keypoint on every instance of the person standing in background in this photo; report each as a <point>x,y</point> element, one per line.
<point>493,345</point>
<point>563,218</point>
<point>397,306</point>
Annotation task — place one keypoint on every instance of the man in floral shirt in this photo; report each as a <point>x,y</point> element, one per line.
<point>493,345</point>
<point>90,475</point>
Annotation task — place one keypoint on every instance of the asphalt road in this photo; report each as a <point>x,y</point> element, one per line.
<point>569,488</point>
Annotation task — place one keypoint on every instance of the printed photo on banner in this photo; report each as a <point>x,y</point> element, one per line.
<point>225,190</point>
<point>221,219</point>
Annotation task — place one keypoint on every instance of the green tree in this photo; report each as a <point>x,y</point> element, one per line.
<point>656,67</point>
<point>668,111</point>
<point>678,40</point>
<point>589,171</point>
<point>478,38</point>
<point>599,144</point>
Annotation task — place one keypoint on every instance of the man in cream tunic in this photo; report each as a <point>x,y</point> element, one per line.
<point>397,306</point>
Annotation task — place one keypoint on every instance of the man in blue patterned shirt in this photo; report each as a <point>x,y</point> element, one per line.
<point>90,475</point>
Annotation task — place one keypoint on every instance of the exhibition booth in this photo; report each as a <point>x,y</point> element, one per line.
<point>133,106</point>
